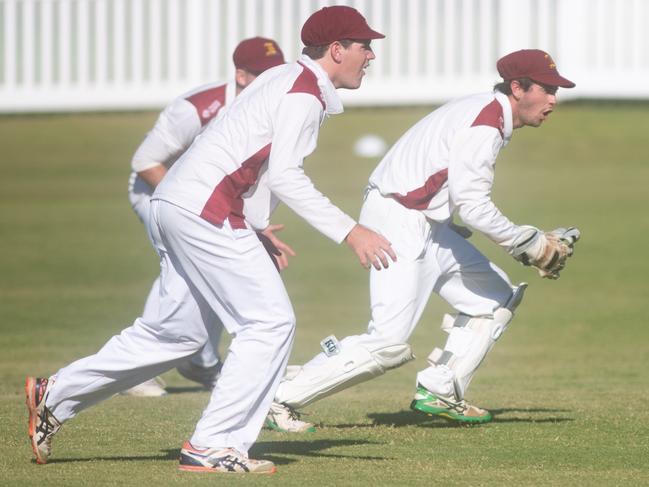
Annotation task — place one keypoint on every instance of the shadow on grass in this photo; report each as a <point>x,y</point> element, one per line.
<point>173,454</point>
<point>305,448</point>
<point>185,389</point>
<point>263,449</point>
<point>269,450</point>
<point>411,418</point>
<point>530,415</point>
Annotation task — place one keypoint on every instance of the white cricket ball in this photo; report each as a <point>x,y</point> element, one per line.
<point>370,145</point>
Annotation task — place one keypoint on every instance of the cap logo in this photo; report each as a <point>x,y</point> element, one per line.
<point>551,65</point>
<point>270,49</point>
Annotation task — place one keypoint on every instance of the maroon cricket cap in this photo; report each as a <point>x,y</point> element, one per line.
<point>257,54</point>
<point>534,64</point>
<point>336,23</point>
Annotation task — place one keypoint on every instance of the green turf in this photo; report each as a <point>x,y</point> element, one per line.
<point>567,383</point>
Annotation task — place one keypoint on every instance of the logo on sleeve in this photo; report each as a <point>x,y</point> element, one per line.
<point>211,110</point>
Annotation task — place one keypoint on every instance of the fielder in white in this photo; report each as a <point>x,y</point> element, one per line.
<point>203,219</point>
<point>174,131</point>
<point>444,165</point>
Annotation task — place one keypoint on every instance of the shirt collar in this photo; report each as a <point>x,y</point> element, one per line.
<point>333,103</point>
<point>507,115</point>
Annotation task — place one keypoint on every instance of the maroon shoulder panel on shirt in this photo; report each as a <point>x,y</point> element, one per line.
<point>307,82</point>
<point>491,116</point>
<point>208,102</point>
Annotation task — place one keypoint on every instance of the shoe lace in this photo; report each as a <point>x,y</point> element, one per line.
<point>460,406</point>
<point>293,414</point>
<point>230,462</point>
<point>290,413</point>
<point>47,426</point>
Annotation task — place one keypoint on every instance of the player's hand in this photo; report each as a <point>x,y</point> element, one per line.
<point>547,252</point>
<point>562,242</point>
<point>276,248</point>
<point>371,248</point>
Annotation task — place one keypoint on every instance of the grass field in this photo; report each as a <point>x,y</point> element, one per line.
<point>567,383</point>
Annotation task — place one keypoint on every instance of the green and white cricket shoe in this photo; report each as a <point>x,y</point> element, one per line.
<point>285,419</point>
<point>448,408</point>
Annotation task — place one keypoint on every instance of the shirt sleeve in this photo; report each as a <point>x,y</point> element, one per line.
<point>174,131</point>
<point>295,134</point>
<point>470,180</point>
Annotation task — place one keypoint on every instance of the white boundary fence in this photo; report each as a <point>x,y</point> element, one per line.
<point>60,55</point>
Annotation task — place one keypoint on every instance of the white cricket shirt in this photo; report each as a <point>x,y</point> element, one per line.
<point>253,154</point>
<point>446,163</point>
<point>178,125</point>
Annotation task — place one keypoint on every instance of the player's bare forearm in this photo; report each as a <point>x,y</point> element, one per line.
<point>153,175</point>
<point>371,248</point>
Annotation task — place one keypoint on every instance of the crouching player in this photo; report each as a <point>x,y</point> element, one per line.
<point>444,165</point>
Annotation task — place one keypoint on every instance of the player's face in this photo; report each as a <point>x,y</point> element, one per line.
<point>354,60</point>
<point>536,104</point>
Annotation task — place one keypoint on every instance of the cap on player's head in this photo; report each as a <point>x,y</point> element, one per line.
<point>336,23</point>
<point>257,54</point>
<point>534,64</point>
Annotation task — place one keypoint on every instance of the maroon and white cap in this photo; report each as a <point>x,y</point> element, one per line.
<point>534,64</point>
<point>336,23</point>
<point>257,54</point>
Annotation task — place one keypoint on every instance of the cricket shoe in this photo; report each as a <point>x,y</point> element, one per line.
<point>150,388</point>
<point>206,376</point>
<point>448,408</point>
<point>284,418</point>
<point>42,423</point>
<point>221,460</point>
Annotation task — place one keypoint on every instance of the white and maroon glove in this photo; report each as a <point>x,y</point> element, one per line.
<point>547,252</point>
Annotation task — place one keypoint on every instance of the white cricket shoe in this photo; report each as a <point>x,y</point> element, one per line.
<point>205,376</point>
<point>151,388</point>
<point>42,423</point>
<point>220,460</point>
<point>284,418</point>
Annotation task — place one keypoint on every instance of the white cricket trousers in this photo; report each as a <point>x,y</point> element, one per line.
<point>431,257</point>
<point>139,195</point>
<point>228,273</point>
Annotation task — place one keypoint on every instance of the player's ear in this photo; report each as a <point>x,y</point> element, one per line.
<point>242,77</point>
<point>517,89</point>
<point>335,51</point>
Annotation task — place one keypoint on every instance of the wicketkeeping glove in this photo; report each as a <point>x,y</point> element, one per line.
<point>547,252</point>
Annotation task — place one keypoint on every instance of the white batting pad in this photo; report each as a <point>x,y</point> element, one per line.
<point>351,365</point>
<point>470,340</point>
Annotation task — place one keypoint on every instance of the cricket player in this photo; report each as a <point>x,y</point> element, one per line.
<point>445,165</point>
<point>175,130</point>
<point>204,215</point>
